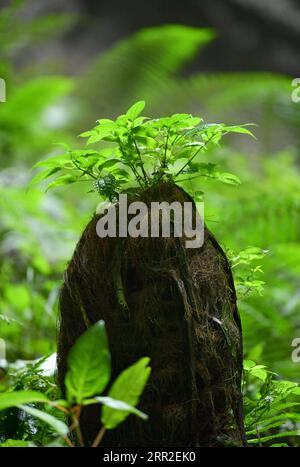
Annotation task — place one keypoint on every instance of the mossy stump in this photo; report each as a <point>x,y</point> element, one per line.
<point>175,305</point>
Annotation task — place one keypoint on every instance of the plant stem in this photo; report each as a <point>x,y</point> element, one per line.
<point>69,442</point>
<point>191,158</point>
<point>134,171</point>
<point>142,165</point>
<point>99,437</point>
<point>76,417</point>
<point>85,172</point>
<point>188,162</point>
<point>59,407</point>
<point>136,174</point>
<point>166,148</point>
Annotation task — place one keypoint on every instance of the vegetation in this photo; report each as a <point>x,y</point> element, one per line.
<point>87,376</point>
<point>256,221</point>
<point>145,152</point>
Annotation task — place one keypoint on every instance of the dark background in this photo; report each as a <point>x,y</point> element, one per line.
<point>251,34</point>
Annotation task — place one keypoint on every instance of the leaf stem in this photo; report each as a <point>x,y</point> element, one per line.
<point>192,157</point>
<point>59,407</point>
<point>86,172</point>
<point>99,437</point>
<point>69,442</point>
<point>75,418</point>
<point>141,161</point>
<point>166,148</point>
<point>134,171</point>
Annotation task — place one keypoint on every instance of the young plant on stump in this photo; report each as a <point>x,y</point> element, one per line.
<point>158,298</point>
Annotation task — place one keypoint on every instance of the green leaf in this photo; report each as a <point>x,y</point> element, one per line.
<point>101,132</point>
<point>183,121</point>
<point>62,180</point>
<point>260,373</point>
<point>110,163</point>
<point>262,427</point>
<point>105,121</point>
<point>87,134</point>
<point>193,144</point>
<point>88,364</point>
<point>84,153</point>
<point>60,427</point>
<point>14,398</point>
<point>145,130</point>
<point>228,178</point>
<point>121,406</point>
<point>134,111</point>
<point>248,364</point>
<point>127,388</point>
<point>16,443</point>
<point>57,161</point>
<point>239,129</point>
<point>39,177</point>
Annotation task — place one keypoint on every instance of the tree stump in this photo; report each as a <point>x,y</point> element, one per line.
<point>173,304</point>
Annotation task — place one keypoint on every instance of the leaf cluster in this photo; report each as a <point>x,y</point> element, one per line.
<point>134,152</point>
<point>88,375</point>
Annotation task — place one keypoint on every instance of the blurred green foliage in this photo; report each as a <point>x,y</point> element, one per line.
<point>39,232</point>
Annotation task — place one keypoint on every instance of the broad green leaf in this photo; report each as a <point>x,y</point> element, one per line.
<point>144,130</point>
<point>106,152</point>
<point>122,121</point>
<point>60,427</point>
<point>105,121</point>
<point>228,178</point>
<point>110,163</point>
<point>120,406</point>
<point>87,134</point>
<point>14,398</point>
<point>239,129</point>
<point>39,177</point>
<point>57,161</point>
<point>193,144</point>
<point>88,364</point>
<point>260,373</point>
<point>109,136</point>
<point>183,121</point>
<point>127,388</point>
<point>100,132</point>
<point>248,364</point>
<point>262,427</point>
<point>62,180</point>
<point>84,153</point>
<point>134,111</point>
<point>147,141</point>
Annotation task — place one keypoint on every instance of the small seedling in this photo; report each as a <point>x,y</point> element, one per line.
<point>134,153</point>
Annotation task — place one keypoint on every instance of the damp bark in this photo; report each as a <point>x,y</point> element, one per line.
<point>176,305</point>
